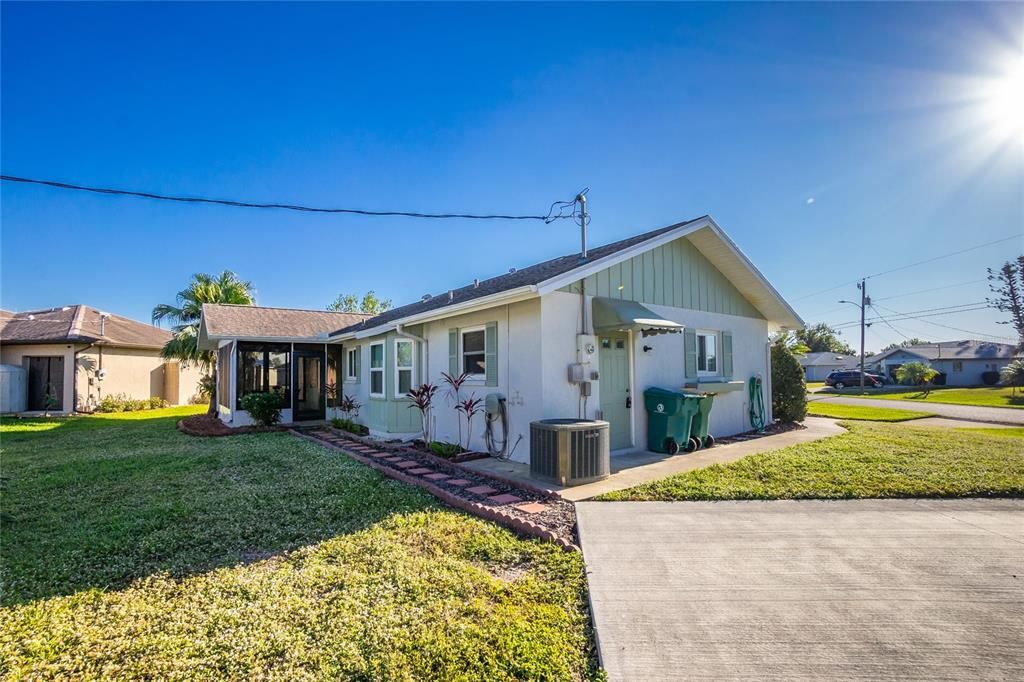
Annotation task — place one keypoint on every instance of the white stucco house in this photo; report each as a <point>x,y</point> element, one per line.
<point>817,366</point>
<point>673,307</point>
<point>961,363</point>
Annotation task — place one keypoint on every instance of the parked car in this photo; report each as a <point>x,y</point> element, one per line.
<point>847,377</point>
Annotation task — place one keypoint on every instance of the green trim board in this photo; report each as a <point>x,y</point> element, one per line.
<point>675,274</point>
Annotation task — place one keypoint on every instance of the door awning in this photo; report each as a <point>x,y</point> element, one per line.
<point>612,314</point>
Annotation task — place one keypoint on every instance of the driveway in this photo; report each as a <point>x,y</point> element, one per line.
<point>875,589</point>
<point>997,415</point>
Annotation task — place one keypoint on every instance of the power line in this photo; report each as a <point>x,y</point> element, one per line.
<point>550,217</point>
<point>889,324</point>
<point>958,329</point>
<point>847,325</point>
<point>979,305</point>
<point>910,265</point>
<point>946,255</point>
<point>928,291</point>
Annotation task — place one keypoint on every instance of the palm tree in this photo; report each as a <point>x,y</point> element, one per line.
<point>184,317</point>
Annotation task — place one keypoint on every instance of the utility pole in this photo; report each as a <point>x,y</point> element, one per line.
<point>864,300</point>
<point>582,199</point>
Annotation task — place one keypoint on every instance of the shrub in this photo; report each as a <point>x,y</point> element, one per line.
<point>789,389</point>
<point>1012,375</point>
<point>446,450</point>
<point>990,378</point>
<point>264,408</point>
<point>120,402</point>
<point>915,374</point>
<point>350,426</point>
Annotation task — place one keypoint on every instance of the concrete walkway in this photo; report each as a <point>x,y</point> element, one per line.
<point>644,466</point>
<point>995,415</point>
<point>807,590</point>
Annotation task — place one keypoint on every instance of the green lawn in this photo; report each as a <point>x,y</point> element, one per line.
<point>985,396</point>
<point>815,385</point>
<point>872,460</point>
<point>863,413</point>
<point>132,551</point>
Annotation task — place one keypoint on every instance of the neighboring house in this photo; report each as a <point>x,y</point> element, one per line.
<point>818,365</point>
<point>679,306</point>
<point>962,362</point>
<point>77,355</point>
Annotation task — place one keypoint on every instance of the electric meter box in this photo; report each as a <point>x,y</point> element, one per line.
<point>586,348</point>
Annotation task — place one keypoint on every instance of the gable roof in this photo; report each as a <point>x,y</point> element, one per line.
<point>956,350</point>
<point>79,324</point>
<point>221,321</point>
<point>828,360</point>
<point>549,275</point>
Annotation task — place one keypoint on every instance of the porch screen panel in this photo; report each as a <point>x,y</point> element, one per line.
<point>224,377</point>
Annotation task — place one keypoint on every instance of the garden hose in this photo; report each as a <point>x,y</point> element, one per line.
<point>756,404</point>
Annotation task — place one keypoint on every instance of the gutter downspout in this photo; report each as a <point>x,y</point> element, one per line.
<point>424,354</point>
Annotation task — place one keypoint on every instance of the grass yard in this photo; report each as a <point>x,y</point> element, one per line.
<point>132,551</point>
<point>983,396</point>
<point>872,460</point>
<point>863,413</point>
<point>815,385</point>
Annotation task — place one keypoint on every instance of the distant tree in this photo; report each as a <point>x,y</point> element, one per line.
<point>916,374</point>
<point>821,338</point>
<point>184,315</point>
<point>1007,283</point>
<point>369,304</point>
<point>789,340</point>
<point>906,344</point>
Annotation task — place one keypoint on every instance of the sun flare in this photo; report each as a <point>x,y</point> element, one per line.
<point>1002,101</point>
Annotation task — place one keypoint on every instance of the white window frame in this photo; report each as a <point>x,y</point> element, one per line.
<point>350,367</point>
<point>411,368</point>
<point>718,352</point>
<point>481,377</point>
<point>383,363</point>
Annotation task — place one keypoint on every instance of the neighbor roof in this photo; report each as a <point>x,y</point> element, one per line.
<point>258,322</point>
<point>957,350</point>
<point>79,324</point>
<point>705,234</point>
<point>828,359</point>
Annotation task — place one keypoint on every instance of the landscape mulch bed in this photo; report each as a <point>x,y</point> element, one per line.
<point>527,510</point>
<point>770,430</point>
<point>206,426</point>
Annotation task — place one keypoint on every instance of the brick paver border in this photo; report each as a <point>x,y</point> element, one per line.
<point>484,511</point>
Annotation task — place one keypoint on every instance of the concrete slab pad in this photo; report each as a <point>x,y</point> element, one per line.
<point>879,589</point>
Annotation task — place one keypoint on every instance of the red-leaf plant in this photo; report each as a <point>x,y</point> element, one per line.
<point>470,407</point>
<point>348,406</point>
<point>454,385</point>
<point>422,398</point>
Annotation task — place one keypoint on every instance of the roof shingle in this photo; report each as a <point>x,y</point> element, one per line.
<point>534,274</point>
<point>79,324</point>
<point>250,321</point>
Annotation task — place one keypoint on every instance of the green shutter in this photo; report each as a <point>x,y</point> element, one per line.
<point>491,354</point>
<point>727,355</point>
<point>453,352</point>
<point>690,353</point>
<point>358,362</point>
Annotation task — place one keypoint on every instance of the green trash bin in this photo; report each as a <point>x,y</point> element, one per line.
<point>670,416</point>
<point>702,419</point>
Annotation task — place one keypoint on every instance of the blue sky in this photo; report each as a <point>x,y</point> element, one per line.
<point>744,112</point>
